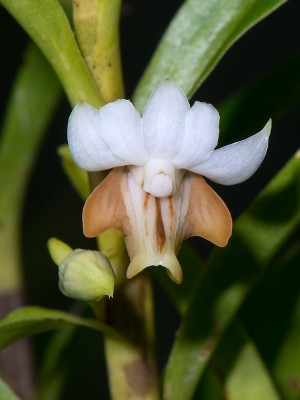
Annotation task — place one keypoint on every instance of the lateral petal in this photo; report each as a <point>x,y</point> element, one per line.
<point>200,136</point>
<point>104,208</point>
<point>207,215</point>
<point>163,119</point>
<point>236,162</point>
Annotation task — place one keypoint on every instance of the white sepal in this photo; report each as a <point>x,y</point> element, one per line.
<point>236,162</point>
<point>84,138</point>
<point>164,120</point>
<point>106,138</point>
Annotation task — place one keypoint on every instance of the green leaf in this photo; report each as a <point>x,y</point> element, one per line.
<point>247,110</point>
<point>54,369</point>
<point>237,370</point>
<point>242,371</point>
<point>210,387</point>
<point>229,275</point>
<point>33,100</point>
<point>286,366</point>
<point>47,24</point>
<point>29,321</point>
<point>199,35</point>
<point>6,393</point>
<point>272,315</point>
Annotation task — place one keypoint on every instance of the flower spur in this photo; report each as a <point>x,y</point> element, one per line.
<point>155,193</point>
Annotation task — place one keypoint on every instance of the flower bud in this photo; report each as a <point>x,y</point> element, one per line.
<point>86,275</point>
<point>83,274</point>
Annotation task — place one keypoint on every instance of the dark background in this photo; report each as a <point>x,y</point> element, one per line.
<point>52,208</point>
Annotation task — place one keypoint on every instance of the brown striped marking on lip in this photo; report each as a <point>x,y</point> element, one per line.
<point>159,226</point>
<point>145,206</point>
<point>171,214</point>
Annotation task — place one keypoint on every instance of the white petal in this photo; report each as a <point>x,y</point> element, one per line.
<point>106,138</point>
<point>164,120</point>
<point>200,136</point>
<point>122,131</point>
<point>238,161</point>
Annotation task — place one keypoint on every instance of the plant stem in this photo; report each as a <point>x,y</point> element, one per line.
<point>97,31</point>
<point>132,371</point>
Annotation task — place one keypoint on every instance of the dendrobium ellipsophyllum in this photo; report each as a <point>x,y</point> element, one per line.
<point>155,193</point>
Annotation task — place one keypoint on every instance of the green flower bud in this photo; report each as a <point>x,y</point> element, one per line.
<point>86,275</point>
<point>83,274</point>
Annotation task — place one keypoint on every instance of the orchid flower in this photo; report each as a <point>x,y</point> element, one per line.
<point>155,192</point>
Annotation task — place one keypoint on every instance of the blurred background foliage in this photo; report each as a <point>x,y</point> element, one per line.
<point>264,61</point>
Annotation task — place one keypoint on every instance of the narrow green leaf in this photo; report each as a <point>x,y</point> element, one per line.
<point>286,364</point>
<point>237,370</point>
<point>29,321</point>
<point>272,315</point>
<point>199,35</point>
<point>6,393</point>
<point>229,275</point>
<point>33,100</point>
<point>54,368</point>
<point>47,24</point>
<point>242,371</point>
<point>210,387</point>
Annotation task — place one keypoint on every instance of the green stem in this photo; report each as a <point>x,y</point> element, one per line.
<point>97,31</point>
<point>112,245</point>
<point>132,370</point>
